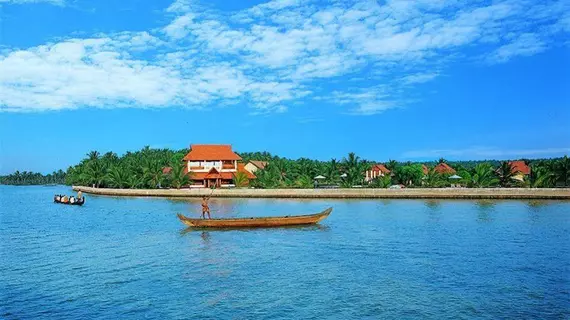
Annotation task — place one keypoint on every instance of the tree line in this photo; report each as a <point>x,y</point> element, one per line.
<point>33,178</point>
<point>145,169</point>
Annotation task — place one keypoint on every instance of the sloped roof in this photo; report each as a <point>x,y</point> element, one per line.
<point>166,170</point>
<point>520,166</point>
<point>425,169</point>
<point>380,167</point>
<point>241,168</point>
<point>444,168</point>
<point>211,152</point>
<point>259,164</point>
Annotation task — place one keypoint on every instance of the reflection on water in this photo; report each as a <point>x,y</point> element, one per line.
<point>369,259</point>
<point>314,227</point>
<point>433,204</point>
<point>485,209</point>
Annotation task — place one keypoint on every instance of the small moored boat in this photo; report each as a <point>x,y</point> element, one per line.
<point>80,202</point>
<point>261,222</point>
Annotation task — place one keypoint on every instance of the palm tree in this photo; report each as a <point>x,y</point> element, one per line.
<point>354,169</point>
<point>177,176</point>
<point>240,179</point>
<point>505,173</point>
<point>381,182</point>
<point>117,177</point>
<point>562,171</point>
<point>152,174</point>
<point>391,165</point>
<point>332,171</point>
<point>433,179</point>
<point>483,176</point>
<point>94,173</point>
<point>134,181</point>
<point>303,182</point>
<point>93,155</point>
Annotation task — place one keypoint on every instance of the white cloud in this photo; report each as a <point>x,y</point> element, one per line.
<point>55,2</point>
<point>524,45</point>
<point>276,53</point>
<point>419,78</point>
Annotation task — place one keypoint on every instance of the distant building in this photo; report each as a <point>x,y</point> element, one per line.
<point>255,165</point>
<point>377,170</point>
<point>425,169</point>
<point>213,165</point>
<point>520,168</point>
<point>444,168</point>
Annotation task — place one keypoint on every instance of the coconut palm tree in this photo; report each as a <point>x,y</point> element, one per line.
<point>562,171</point>
<point>94,173</point>
<point>433,179</point>
<point>117,177</point>
<point>505,174</point>
<point>152,174</point>
<point>177,176</point>
<point>240,179</point>
<point>381,182</point>
<point>354,169</point>
<point>483,176</point>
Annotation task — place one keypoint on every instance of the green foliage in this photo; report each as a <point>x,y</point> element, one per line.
<point>33,178</point>
<point>177,177</point>
<point>410,174</point>
<point>433,179</point>
<point>381,182</point>
<point>505,174</point>
<point>483,176</point>
<point>240,179</point>
<point>141,169</point>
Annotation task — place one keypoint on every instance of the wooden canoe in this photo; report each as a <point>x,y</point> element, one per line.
<point>261,222</point>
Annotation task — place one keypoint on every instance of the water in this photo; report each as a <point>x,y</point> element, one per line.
<point>132,259</point>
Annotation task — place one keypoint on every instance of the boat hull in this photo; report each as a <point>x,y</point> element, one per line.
<point>77,203</point>
<point>261,222</point>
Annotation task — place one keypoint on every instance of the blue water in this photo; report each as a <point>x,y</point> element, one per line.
<point>117,258</point>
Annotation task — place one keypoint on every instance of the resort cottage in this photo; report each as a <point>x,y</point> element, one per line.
<point>377,170</point>
<point>213,166</point>
<point>444,168</point>
<point>521,170</point>
<point>255,165</point>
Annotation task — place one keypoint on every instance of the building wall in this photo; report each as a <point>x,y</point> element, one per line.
<point>250,167</point>
<point>206,166</point>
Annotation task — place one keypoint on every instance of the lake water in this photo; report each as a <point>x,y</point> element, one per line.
<point>391,259</point>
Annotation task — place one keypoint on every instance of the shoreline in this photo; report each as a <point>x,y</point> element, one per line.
<point>364,193</point>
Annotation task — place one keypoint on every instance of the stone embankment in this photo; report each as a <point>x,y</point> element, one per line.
<point>354,193</point>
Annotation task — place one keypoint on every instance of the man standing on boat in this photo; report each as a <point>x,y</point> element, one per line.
<point>205,207</point>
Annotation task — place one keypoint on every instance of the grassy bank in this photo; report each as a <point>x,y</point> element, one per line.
<point>424,193</point>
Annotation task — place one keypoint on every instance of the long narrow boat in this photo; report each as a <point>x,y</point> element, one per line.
<point>56,199</point>
<point>261,222</point>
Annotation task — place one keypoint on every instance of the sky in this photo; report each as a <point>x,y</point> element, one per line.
<point>392,79</point>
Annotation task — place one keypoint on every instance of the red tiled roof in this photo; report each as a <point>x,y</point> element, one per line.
<point>259,164</point>
<point>425,169</point>
<point>444,168</point>
<point>241,168</point>
<point>380,167</point>
<point>520,166</point>
<point>211,152</point>
<point>166,170</point>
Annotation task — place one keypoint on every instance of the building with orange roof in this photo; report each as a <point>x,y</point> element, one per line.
<point>444,168</point>
<point>255,165</point>
<point>213,165</point>
<point>520,168</point>
<point>377,170</point>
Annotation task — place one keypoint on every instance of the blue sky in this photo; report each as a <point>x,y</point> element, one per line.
<point>396,79</point>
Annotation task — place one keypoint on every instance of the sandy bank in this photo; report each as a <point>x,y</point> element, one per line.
<point>439,193</point>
